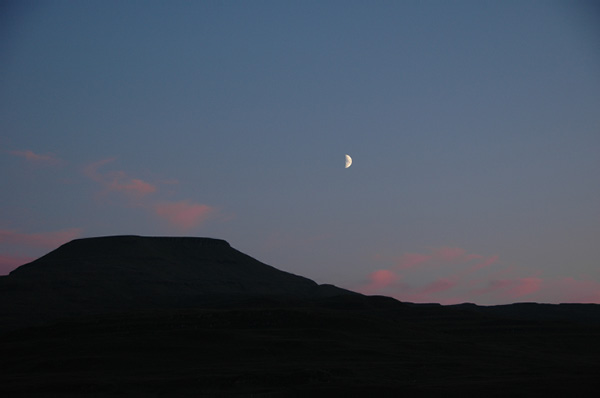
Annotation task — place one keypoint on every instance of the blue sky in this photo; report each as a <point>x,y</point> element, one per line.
<point>474,127</point>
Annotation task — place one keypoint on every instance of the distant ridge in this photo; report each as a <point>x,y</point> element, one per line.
<point>124,273</point>
<point>128,272</point>
<point>140,316</point>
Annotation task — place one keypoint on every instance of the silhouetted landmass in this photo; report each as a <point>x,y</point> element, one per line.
<point>137,316</point>
<point>119,273</point>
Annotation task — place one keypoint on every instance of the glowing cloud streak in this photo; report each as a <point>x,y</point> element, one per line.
<point>183,215</point>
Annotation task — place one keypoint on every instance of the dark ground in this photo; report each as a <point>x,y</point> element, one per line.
<point>153,316</point>
<point>368,346</point>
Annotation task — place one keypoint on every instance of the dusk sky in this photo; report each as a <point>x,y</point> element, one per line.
<point>474,127</point>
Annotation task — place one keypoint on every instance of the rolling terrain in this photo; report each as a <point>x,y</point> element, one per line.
<point>137,316</point>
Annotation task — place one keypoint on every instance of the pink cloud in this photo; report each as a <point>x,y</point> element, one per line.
<point>37,158</point>
<point>524,287</point>
<point>485,263</point>
<point>118,181</point>
<point>9,263</point>
<point>577,291</point>
<point>438,286</point>
<point>411,260</point>
<point>564,290</point>
<point>132,186</point>
<point>450,254</point>
<point>456,261</point>
<point>509,289</point>
<point>30,244</point>
<point>493,286</point>
<point>473,277</point>
<point>378,280</point>
<point>183,215</point>
<point>91,170</point>
<point>435,291</point>
<point>443,256</point>
<point>48,240</point>
<point>383,277</point>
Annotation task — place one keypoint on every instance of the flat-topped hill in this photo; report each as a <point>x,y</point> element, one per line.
<point>123,272</point>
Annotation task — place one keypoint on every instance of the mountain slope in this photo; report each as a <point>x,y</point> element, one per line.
<point>125,272</point>
<point>193,316</point>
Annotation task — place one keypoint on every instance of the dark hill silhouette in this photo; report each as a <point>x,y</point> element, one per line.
<point>149,316</point>
<point>127,272</point>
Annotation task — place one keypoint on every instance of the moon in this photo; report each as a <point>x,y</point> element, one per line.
<point>348,161</point>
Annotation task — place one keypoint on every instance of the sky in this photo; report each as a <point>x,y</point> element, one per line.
<point>474,128</point>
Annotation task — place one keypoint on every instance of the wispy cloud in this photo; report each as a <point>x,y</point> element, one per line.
<point>515,288</point>
<point>485,263</point>
<point>576,291</point>
<point>437,286</point>
<point>442,256</point>
<point>30,156</point>
<point>130,186</point>
<point>9,262</point>
<point>26,245</point>
<point>92,169</point>
<point>410,260</point>
<point>183,215</point>
<point>379,281</point>
<point>524,287</point>
<point>47,240</point>
<point>456,263</point>
<point>118,181</point>
<point>435,291</point>
<point>461,276</point>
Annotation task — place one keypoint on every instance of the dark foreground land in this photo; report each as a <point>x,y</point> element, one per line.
<point>356,346</point>
<point>161,317</point>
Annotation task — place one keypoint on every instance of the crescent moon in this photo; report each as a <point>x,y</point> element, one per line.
<point>348,161</point>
